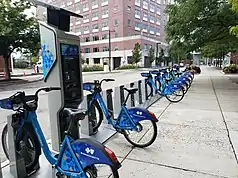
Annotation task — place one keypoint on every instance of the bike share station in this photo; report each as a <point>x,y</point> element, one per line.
<point>62,68</point>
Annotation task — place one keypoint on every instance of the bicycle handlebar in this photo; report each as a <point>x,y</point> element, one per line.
<point>20,97</point>
<point>107,80</point>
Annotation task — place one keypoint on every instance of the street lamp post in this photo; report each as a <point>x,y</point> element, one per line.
<point>110,49</point>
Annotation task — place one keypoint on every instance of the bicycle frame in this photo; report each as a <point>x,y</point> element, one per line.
<point>70,161</point>
<point>117,124</point>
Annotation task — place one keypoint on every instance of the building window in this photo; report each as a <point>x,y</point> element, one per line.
<point>87,60</point>
<point>152,8</point>
<point>105,48</point>
<point>116,35</point>
<point>85,29</point>
<point>104,23</point>
<point>137,26</point>
<point>86,50</point>
<point>94,2</point>
<point>115,22</point>
<point>104,12</point>
<point>129,34</point>
<point>158,22</point>
<point>85,6</point>
<point>95,26</point>
<point>129,22</point>
<point>145,27</point>
<point>145,4</point>
<point>77,30</point>
<point>129,8</point>
<point>77,9</point>
<point>116,48</point>
<point>158,10</point>
<point>152,18</point>
<point>95,14</point>
<point>86,18</point>
<point>105,36</point>
<point>87,39</point>
<point>145,16</point>
<point>137,14</point>
<point>95,38</point>
<point>96,49</point>
<point>103,1</point>
<point>96,60</point>
<point>137,2</point>
<point>145,46</point>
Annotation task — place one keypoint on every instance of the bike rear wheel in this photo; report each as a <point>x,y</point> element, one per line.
<point>150,133</point>
<point>27,145</point>
<point>93,172</point>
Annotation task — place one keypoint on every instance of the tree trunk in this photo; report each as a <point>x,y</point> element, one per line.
<point>6,66</point>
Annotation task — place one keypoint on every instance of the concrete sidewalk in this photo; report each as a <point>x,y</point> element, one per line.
<point>197,137</point>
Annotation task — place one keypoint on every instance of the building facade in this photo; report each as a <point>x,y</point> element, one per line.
<point>128,22</point>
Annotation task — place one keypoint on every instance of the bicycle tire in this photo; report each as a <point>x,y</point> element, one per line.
<point>151,90</point>
<point>155,129</point>
<point>115,173</point>
<point>4,141</point>
<point>34,139</point>
<point>176,101</point>
<point>96,125</point>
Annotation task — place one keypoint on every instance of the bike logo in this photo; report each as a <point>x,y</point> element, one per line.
<point>88,150</point>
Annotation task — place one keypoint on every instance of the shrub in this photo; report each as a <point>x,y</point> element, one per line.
<point>21,64</point>
<point>92,68</point>
<point>231,69</point>
<point>128,66</point>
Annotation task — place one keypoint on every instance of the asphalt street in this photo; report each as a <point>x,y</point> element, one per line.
<point>121,77</point>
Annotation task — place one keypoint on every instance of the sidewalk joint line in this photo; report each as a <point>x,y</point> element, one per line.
<point>174,167</point>
<point>224,120</point>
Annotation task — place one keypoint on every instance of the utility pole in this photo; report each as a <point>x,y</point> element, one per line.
<point>110,52</point>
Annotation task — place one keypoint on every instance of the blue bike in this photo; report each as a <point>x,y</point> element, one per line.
<point>133,123</point>
<point>76,159</point>
<point>173,92</point>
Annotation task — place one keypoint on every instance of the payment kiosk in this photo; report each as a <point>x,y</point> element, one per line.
<point>60,51</point>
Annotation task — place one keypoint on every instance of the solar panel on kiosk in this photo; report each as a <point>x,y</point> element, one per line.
<point>56,16</point>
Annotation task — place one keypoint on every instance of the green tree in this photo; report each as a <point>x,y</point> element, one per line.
<point>18,32</point>
<point>160,58</point>
<point>234,29</point>
<point>34,59</point>
<point>198,23</point>
<point>136,54</point>
<point>151,55</point>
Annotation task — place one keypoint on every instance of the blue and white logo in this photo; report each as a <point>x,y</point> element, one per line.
<point>88,150</point>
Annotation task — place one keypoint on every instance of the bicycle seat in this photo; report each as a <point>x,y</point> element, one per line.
<point>78,113</point>
<point>131,90</point>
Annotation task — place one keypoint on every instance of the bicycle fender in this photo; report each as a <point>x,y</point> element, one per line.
<point>139,114</point>
<point>89,152</point>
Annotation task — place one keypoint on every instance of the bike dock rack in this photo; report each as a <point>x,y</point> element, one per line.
<point>112,100</point>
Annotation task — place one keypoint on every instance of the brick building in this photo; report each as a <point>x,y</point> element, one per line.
<point>128,21</point>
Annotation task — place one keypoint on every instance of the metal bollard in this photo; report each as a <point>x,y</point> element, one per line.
<point>85,127</point>
<point>116,101</point>
<point>110,102</point>
<point>17,164</point>
<point>140,91</point>
<point>132,96</point>
<point>122,95</point>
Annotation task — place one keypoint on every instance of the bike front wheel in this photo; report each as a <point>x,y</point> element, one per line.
<point>175,96</point>
<point>27,145</point>
<point>145,134</point>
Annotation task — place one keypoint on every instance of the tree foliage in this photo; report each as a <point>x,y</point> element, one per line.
<point>197,24</point>
<point>18,32</point>
<point>151,55</point>
<point>136,54</point>
<point>234,29</point>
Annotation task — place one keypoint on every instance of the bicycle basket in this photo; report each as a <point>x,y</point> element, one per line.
<point>145,74</point>
<point>6,104</point>
<point>88,86</point>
